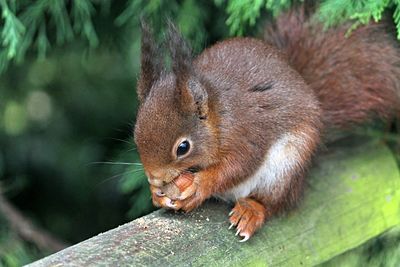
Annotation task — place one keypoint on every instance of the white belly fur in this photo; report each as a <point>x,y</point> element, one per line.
<point>281,158</point>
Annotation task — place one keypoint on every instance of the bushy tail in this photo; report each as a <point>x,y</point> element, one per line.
<point>354,77</point>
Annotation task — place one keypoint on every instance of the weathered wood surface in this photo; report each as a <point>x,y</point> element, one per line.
<point>353,195</point>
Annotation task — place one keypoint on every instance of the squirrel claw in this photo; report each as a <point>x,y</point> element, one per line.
<point>237,232</point>
<point>246,237</point>
<point>160,200</point>
<point>230,226</point>
<point>171,203</point>
<point>159,193</point>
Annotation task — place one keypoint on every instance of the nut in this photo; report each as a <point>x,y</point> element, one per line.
<point>183,181</point>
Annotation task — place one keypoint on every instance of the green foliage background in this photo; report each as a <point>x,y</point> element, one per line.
<point>67,101</point>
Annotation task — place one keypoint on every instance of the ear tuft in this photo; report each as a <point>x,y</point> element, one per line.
<point>151,62</point>
<point>181,54</point>
<point>191,93</point>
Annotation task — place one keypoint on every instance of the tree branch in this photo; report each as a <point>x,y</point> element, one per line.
<point>27,230</point>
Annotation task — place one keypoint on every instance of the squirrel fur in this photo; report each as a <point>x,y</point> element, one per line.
<point>246,116</point>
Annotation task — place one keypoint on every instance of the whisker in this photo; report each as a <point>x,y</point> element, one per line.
<point>127,151</point>
<point>119,175</point>
<point>115,163</point>
<point>122,140</point>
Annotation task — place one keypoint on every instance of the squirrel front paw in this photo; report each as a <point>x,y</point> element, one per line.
<point>189,203</point>
<point>160,199</point>
<point>248,216</point>
<point>181,193</point>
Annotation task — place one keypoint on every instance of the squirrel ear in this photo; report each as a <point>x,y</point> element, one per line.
<point>181,54</point>
<point>194,98</point>
<point>151,63</point>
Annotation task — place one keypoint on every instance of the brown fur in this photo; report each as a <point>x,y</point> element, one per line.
<point>356,78</point>
<point>238,97</point>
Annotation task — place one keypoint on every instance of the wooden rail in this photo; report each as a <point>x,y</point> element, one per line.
<point>353,195</point>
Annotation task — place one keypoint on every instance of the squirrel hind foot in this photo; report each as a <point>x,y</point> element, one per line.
<point>248,216</point>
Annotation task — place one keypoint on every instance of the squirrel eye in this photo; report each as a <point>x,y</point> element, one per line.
<point>183,148</point>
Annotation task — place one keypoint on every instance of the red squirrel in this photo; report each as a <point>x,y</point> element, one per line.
<point>246,116</point>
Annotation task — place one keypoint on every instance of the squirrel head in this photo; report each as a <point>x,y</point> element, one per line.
<point>173,130</point>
